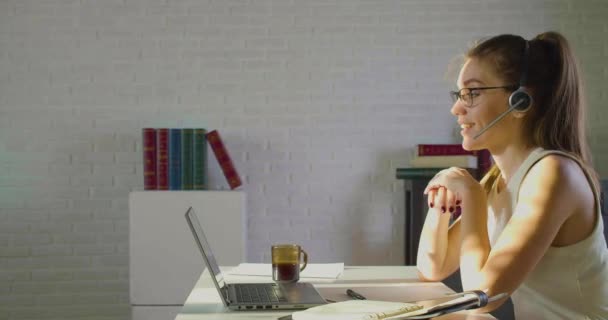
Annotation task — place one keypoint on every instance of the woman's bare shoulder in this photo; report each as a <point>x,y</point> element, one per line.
<point>558,168</point>
<point>558,178</point>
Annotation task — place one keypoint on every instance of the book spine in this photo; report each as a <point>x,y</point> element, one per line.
<point>175,154</point>
<point>424,173</point>
<point>418,172</point>
<point>163,159</point>
<point>442,150</point>
<point>149,153</point>
<point>187,159</point>
<point>444,161</point>
<point>223,158</point>
<point>200,159</point>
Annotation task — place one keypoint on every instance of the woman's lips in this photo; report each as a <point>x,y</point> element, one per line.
<point>466,128</point>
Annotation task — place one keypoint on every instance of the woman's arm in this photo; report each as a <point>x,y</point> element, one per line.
<point>546,199</point>
<point>439,248</point>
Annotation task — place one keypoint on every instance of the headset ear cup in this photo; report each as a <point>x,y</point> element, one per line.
<point>521,99</point>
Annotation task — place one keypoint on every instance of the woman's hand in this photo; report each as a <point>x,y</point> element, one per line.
<point>449,187</point>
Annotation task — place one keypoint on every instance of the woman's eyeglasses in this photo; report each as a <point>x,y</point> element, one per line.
<point>468,95</point>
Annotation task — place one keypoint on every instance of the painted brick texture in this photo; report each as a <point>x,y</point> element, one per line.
<point>318,102</point>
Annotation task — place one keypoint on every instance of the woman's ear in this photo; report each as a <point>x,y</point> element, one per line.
<point>520,114</point>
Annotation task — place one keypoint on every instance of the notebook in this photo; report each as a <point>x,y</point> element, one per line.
<point>252,296</point>
<point>380,310</point>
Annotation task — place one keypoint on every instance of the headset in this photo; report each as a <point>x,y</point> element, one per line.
<point>519,100</point>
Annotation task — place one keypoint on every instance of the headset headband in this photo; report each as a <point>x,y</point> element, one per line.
<point>524,65</point>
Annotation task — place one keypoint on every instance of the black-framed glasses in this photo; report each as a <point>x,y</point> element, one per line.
<point>468,95</point>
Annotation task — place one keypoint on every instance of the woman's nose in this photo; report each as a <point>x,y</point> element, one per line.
<point>458,108</point>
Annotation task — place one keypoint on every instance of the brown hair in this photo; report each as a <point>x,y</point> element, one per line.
<point>556,120</point>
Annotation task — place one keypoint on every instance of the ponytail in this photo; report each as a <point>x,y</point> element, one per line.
<point>489,182</point>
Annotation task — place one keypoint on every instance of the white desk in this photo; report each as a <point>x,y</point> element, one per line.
<point>389,283</point>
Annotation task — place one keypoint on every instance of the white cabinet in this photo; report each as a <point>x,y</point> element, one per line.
<point>164,259</point>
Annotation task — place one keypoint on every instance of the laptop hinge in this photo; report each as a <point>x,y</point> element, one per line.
<point>226,295</point>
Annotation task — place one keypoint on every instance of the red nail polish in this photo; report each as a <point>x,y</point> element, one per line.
<point>442,209</point>
<point>431,205</point>
<point>457,202</point>
<point>451,209</point>
<point>457,214</point>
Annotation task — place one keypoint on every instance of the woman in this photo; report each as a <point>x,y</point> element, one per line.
<point>532,227</point>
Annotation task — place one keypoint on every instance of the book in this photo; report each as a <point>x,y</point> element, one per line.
<point>443,150</point>
<point>223,159</point>
<point>411,173</point>
<point>162,158</point>
<point>377,310</point>
<point>149,158</point>
<point>187,160</point>
<point>462,161</point>
<point>200,159</point>
<point>424,173</point>
<point>175,155</point>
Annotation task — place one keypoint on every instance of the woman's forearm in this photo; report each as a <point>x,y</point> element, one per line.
<point>475,246</point>
<point>433,246</point>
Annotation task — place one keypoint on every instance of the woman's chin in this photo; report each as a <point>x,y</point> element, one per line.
<point>469,144</point>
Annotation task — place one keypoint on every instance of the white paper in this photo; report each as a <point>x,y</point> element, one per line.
<point>356,310</point>
<point>312,270</point>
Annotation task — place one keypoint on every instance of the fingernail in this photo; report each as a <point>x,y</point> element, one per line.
<point>431,205</point>
<point>451,209</point>
<point>457,213</point>
<point>442,209</point>
<point>457,202</point>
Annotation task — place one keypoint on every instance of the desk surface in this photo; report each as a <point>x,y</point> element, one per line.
<point>389,283</point>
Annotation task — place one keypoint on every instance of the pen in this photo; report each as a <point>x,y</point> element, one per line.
<point>355,295</point>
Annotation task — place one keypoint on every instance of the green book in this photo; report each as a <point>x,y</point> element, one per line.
<point>200,159</point>
<point>424,173</point>
<point>417,173</point>
<point>187,159</point>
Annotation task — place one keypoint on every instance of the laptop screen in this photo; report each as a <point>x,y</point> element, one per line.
<point>204,247</point>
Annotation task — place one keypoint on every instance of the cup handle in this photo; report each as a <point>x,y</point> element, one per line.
<point>305,259</point>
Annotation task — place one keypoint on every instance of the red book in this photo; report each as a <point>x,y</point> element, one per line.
<point>162,169</point>
<point>443,150</point>
<point>223,158</point>
<point>149,151</point>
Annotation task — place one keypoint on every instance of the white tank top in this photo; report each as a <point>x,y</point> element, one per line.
<point>569,282</point>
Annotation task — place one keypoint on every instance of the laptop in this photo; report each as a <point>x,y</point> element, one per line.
<point>252,296</point>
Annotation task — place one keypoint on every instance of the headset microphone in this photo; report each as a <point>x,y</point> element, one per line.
<point>520,99</point>
<point>502,115</point>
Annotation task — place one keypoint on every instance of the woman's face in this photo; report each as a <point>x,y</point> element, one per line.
<point>477,108</point>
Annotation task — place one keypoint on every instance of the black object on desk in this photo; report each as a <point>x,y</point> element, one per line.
<point>355,295</point>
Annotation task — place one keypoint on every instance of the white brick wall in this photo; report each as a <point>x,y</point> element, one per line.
<point>318,101</point>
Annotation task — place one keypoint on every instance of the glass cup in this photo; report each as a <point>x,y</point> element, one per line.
<point>286,262</point>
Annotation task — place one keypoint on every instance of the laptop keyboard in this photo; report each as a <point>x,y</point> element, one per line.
<point>259,293</point>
